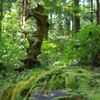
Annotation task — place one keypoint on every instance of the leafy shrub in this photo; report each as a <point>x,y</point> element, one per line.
<point>11,40</point>
<point>85,46</point>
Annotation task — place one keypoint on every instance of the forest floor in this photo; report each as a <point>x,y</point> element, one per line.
<point>78,80</point>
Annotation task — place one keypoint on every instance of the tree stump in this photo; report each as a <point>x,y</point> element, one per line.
<point>43,26</point>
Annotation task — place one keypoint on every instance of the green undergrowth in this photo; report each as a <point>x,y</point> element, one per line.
<point>75,80</point>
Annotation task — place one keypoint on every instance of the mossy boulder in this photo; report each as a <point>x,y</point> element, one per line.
<point>75,80</point>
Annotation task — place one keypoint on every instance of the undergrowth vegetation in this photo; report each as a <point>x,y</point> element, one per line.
<point>85,46</point>
<point>54,59</point>
<point>59,52</point>
<point>74,80</point>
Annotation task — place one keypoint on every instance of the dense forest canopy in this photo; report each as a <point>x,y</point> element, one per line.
<point>40,35</point>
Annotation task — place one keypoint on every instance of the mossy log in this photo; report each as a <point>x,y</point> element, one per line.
<point>78,82</point>
<point>42,29</point>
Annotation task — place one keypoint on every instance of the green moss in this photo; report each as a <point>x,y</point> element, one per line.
<point>17,90</point>
<point>77,80</point>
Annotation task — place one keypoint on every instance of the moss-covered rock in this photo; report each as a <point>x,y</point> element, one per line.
<point>77,80</point>
<point>54,95</point>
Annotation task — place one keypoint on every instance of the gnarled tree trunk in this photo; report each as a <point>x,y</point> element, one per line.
<point>42,28</point>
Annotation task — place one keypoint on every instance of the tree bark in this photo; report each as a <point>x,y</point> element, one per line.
<point>35,45</point>
<point>91,11</point>
<point>97,12</point>
<point>24,4</point>
<point>77,18</point>
<point>1,15</point>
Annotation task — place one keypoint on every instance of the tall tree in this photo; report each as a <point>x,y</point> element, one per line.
<point>97,12</point>
<point>50,18</point>
<point>77,17</point>
<point>71,18</point>
<point>1,14</point>
<point>24,3</point>
<point>91,11</point>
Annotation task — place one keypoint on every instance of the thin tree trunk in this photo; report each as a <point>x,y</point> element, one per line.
<point>97,12</point>
<point>1,15</point>
<point>91,11</point>
<point>24,3</point>
<point>77,18</point>
<point>60,21</point>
